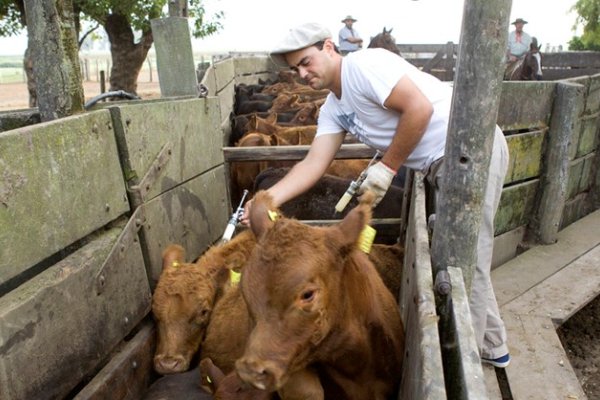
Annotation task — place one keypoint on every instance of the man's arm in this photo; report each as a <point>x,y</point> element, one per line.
<point>416,110</point>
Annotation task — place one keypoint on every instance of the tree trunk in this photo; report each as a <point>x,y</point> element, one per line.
<point>53,49</point>
<point>127,56</point>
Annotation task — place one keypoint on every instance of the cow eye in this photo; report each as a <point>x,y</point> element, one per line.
<point>308,295</point>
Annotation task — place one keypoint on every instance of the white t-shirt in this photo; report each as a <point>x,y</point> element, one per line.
<point>368,77</point>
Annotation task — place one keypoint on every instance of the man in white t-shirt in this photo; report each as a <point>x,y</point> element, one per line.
<point>392,106</point>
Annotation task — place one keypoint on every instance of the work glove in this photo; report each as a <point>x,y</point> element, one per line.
<point>378,180</point>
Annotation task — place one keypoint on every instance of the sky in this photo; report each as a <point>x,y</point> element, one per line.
<point>257,25</point>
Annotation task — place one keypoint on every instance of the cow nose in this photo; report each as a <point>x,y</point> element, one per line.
<point>165,365</point>
<point>260,374</point>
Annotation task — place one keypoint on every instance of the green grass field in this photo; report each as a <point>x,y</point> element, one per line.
<point>11,69</point>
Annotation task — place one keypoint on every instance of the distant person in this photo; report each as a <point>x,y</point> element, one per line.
<point>518,41</point>
<point>348,37</point>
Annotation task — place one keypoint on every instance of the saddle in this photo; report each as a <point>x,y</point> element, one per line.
<point>511,68</point>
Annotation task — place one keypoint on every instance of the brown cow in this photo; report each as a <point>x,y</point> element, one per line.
<point>302,386</point>
<point>317,301</point>
<point>185,296</point>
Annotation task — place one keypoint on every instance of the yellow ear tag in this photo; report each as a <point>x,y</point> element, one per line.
<point>208,379</point>
<point>234,277</point>
<point>174,264</point>
<point>272,215</point>
<point>365,240</point>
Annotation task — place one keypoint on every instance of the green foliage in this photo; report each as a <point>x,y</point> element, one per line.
<point>10,17</point>
<point>138,13</point>
<point>588,15</point>
<point>203,28</point>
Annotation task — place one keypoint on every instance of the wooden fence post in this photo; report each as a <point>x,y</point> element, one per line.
<point>554,180</point>
<point>477,86</point>
<point>174,56</point>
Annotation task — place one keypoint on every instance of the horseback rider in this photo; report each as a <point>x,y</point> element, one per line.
<point>518,41</point>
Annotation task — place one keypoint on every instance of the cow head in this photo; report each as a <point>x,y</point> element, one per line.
<point>185,296</point>
<point>292,285</point>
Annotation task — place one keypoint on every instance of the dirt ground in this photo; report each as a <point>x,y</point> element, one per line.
<point>580,336</point>
<point>14,96</point>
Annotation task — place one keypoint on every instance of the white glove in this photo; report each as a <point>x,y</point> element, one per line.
<point>378,180</point>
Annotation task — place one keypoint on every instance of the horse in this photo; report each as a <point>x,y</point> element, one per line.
<point>527,68</point>
<point>384,40</point>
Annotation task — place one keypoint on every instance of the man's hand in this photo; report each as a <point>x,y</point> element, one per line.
<point>245,219</point>
<point>379,178</point>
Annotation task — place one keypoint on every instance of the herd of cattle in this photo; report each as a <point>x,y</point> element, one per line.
<point>284,310</point>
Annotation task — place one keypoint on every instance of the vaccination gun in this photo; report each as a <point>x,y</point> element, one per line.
<point>233,221</point>
<point>354,185</point>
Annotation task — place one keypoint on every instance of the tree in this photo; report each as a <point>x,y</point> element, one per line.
<point>121,20</point>
<point>588,15</point>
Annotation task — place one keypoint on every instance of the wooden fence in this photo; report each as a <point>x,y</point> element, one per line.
<point>440,60</point>
<point>88,203</point>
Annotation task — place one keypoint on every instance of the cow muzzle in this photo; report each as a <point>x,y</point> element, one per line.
<point>165,364</point>
<point>262,375</point>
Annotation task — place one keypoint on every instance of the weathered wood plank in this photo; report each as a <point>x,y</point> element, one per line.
<point>424,48</point>
<point>516,206</point>
<point>525,151</point>
<point>579,175</point>
<point>174,56</point>
<point>575,209</point>
<point>224,73</point>
<point>470,369</point>
<point>291,152</point>
<point>249,66</point>
<point>422,375</point>
<point>588,135</point>
<point>253,79</point>
<point>226,102</point>
<point>190,144</point>
<point>209,80</point>
<point>126,376</point>
<point>61,180</point>
<point>525,105</point>
<point>506,246</point>
<point>56,328</point>
<point>193,214</point>
<point>578,59</point>
<point>592,97</point>
<point>562,73</point>
<point>553,182</point>
<point>15,119</point>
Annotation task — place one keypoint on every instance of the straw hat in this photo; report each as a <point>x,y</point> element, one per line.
<point>349,18</point>
<point>519,20</point>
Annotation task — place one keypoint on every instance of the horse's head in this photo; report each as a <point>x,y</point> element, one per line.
<point>533,46</point>
<point>384,40</point>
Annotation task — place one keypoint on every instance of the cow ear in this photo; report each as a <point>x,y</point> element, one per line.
<point>210,375</point>
<point>261,214</point>
<point>174,254</point>
<point>353,224</point>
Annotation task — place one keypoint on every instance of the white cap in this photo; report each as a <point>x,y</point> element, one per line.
<point>300,37</point>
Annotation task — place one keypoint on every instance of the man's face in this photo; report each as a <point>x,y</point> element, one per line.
<point>313,65</point>
<point>519,26</point>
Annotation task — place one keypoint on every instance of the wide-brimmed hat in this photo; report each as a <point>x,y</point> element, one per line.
<point>516,21</point>
<point>298,38</point>
<point>349,18</point>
